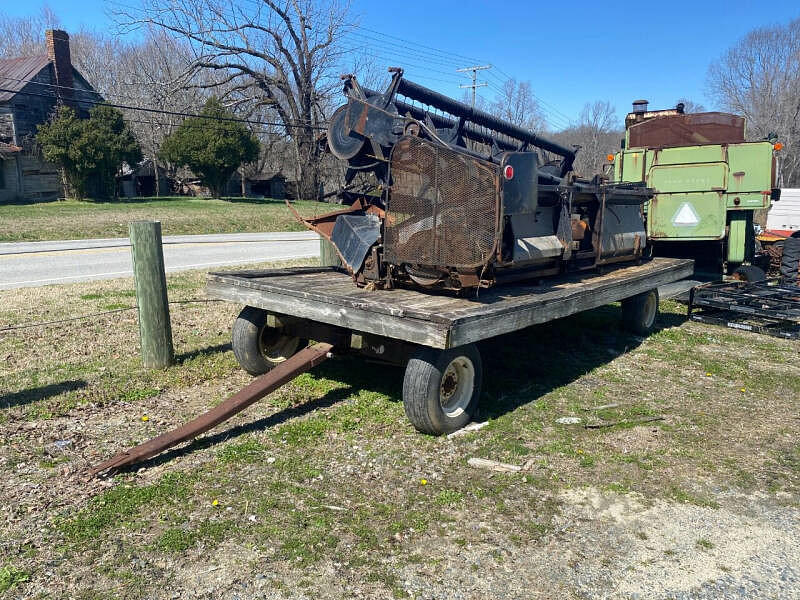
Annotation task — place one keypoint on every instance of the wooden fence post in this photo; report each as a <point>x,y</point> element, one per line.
<point>327,255</point>
<point>150,279</point>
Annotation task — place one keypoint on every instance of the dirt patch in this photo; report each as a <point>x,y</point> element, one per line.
<point>644,438</point>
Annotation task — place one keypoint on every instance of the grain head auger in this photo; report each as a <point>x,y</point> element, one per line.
<point>464,199</point>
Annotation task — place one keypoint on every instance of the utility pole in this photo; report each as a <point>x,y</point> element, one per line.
<point>474,85</point>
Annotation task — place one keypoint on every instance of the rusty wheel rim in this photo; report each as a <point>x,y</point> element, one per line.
<point>275,346</point>
<point>456,387</point>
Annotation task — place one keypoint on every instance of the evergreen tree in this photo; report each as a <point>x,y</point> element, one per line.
<point>212,147</point>
<point>88,152</point>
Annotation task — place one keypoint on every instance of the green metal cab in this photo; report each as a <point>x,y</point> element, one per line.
<point>708,181</point>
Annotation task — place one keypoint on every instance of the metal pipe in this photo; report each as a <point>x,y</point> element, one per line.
<point>260,387</point>
<point>422,94</point>
<point>469,131</point>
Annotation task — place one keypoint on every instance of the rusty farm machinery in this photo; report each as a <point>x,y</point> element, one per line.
<point>461,201</point>
<point>464,199</point>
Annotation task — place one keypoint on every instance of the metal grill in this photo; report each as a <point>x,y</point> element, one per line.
<point>442,208</point>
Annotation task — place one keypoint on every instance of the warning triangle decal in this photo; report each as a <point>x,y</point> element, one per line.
<point>686,216</point>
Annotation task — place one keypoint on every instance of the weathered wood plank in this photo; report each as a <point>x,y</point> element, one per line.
<point>478,327</point>
<point>438,320</point>
<point>397,326</point>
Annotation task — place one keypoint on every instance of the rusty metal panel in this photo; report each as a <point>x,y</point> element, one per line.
<point>15,73</point>
<point>443,206</point>
<point>687,130</point>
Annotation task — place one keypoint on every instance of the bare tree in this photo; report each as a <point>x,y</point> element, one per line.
<point>517,104</point>
<point>759,78</point>
<point>24,36</point>
<point>275,52</point>
<point>597,134</point>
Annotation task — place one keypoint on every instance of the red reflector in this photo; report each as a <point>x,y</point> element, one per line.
<point>508,172</point>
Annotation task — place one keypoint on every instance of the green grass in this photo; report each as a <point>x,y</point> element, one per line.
<point>345,482</point>
<point>71,219</point>
<point>121,506</point>
<point>11,577</point>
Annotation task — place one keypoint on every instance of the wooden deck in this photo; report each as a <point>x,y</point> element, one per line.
<point>437,320</point>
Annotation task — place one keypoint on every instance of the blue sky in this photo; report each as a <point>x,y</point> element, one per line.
<point>571,52</point>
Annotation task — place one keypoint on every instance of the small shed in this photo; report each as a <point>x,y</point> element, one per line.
<point>266,185</point>
<point>140,181</point>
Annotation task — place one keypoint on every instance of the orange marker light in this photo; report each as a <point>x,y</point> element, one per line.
<point>610,157</point>
<point>778,146</point>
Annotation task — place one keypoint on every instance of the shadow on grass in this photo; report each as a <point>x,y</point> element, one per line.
<point>273,420</point>
<point>349,370</point>
<point>35,394</point>
<point>548,356</point>
<point>538,360</point>
<point>187,356</point>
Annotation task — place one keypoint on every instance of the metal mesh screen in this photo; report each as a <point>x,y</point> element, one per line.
<point>442,207</point>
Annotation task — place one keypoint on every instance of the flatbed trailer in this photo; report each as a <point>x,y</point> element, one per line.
<point>433,334</point>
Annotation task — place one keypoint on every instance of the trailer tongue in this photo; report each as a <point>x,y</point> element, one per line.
<point>265,384</point>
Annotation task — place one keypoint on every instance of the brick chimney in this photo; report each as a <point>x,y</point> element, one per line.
<point>58,54</point>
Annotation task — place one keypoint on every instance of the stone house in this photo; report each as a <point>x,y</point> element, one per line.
<point>30,89</point>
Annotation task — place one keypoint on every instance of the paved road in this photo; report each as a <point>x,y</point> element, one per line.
<point>30,264</point>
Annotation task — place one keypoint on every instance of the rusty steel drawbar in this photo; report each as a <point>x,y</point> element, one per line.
<point>283,373</point>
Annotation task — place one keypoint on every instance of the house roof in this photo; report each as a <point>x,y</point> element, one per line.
<point>15,73</point>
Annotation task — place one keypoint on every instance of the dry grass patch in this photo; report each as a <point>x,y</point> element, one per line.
<point>326,475</point>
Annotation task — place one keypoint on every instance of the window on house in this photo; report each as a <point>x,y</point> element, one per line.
<point>2,174</point>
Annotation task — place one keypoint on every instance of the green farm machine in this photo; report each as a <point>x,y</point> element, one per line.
<point>708,184</point>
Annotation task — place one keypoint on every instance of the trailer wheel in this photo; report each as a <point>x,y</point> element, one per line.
<point>639,312</point>
<point>257,347</point>
<point>749,273</point>
<point>441,388</point>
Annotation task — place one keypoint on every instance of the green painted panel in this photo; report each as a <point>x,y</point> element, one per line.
<point>690,154</point>
<point>751,167</point>
<point>633,166</point>
<point>736,237</point>
<point>687,216</point>
<point>749,201</point>
<point>688,178</point>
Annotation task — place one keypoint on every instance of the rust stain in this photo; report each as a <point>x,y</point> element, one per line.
<point>737,179</point>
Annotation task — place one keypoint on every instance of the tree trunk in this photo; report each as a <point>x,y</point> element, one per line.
<point>157,182</point>
<point>308,184</point>
<point>244,185</point>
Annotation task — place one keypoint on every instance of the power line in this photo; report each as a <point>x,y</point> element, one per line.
<point>550,106</point>
<point>361,38</point>
<point>461,58</point>
<point>551,118</point>
<point>150,110</point>
<point>474,85</point>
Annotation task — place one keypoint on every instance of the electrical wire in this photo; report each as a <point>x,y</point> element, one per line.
<point>99,314</point>
<point>149,110</point>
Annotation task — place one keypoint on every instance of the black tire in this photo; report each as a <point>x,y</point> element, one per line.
<point>749,273</point>
<point>639,312</point>
<point>790,260</point>
<point>259,348</point>
<point>441,388</point>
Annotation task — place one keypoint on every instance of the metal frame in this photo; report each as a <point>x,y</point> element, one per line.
<point>763,307</point>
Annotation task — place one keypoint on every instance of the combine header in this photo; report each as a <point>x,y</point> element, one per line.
<point>465,199</point>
